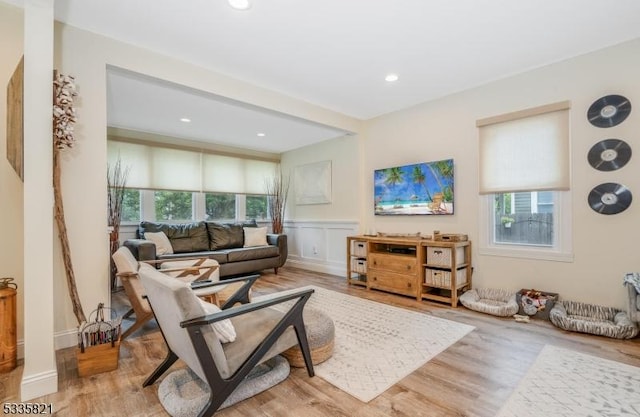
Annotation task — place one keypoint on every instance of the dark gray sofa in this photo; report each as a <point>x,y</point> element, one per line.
<point>220,241</point>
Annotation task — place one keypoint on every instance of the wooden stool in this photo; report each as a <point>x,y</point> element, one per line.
<point>320,333</point>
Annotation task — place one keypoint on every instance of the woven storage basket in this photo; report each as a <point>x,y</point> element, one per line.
<point>442,278</point>
<point>442,256</point>
<point>359,248</point>
<point>359,265</point>
<point>98,347</point>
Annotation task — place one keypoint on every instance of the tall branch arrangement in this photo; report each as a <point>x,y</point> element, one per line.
<point>64,119</point>
<point>277,188</point>
<point>116,182</point>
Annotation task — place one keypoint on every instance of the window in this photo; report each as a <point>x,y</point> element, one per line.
<point>220,206</point>
<point>131,206</point>
<point>173,205</point>
<point>256,207</point>
<point>524,183</point>
<point>518,219</point>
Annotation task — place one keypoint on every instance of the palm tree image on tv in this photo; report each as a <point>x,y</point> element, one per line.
<point>425,188</point>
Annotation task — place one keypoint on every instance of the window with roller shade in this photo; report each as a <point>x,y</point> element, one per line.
<point>524,182</point>
<point>169,184</point>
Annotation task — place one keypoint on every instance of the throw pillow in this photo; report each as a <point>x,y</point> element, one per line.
<point>224,328</point>
<point>163,246</point>
<point>255,236</point>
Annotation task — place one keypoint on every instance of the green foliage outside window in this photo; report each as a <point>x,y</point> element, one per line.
<point>131,206</point>
<point>173,205</point>
<point>220,206</point>
<point>256,207</point>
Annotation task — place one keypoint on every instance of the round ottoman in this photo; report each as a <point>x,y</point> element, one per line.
<point>320,334</point>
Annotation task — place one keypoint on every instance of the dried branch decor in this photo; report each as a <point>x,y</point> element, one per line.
<point>277,188</point>
<point>64,118</point>
<point>116,182</point>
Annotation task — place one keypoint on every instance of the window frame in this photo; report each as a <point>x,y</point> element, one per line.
<point>562,248</point>
<point>147,208</point>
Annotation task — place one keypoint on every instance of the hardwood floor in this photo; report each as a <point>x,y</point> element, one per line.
<point>474,377</point>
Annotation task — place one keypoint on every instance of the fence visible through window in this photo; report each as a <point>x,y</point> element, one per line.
<point>524,228</point>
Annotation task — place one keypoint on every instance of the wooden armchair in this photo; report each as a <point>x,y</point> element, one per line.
<point>192,330</point>
<point>189,271</point>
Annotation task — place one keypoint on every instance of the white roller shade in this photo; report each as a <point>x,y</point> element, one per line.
<point>162,168</point>
<point>226,174</point>
<point>133,157</point>
<point>528,153</point>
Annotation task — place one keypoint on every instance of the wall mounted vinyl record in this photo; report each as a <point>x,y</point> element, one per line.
<point>609,154</point>
<point>609,198</point>
<point>609,111</point>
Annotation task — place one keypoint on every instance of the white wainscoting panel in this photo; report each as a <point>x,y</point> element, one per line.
<point>319,245</point>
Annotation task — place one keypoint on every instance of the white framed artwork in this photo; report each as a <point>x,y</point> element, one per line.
<point>313,183</point>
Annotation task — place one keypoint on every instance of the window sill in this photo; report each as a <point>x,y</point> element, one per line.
<point>526,253</point>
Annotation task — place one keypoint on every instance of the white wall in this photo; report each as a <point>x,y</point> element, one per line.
<point>11,188</point>
<point>317,232</point>
<point>604,246</point>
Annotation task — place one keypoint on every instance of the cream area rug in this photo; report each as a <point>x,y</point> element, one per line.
<point>376,345</point>
<point>565,383</point>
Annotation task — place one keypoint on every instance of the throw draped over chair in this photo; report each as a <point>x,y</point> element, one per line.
<point>193,332</point>
<point>632,282</point>
<point>633,303</point>
<point>192,270</point>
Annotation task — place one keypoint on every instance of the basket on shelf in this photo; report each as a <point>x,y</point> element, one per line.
<point>98,344</point>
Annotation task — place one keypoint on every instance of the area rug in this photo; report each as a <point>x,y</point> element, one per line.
<point>565,383</point>
<point>376,345</point>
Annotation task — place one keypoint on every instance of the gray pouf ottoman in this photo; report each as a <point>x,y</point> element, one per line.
<point>183,394</point>
<point>321,335</point>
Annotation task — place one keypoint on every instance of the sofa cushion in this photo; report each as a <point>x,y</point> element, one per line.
<point>184,237</point>
<point>248,254</point>
<point>220,256</point>
<point>225,235</point>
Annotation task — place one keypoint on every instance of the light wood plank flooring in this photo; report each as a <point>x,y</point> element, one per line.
<point>474,377</point>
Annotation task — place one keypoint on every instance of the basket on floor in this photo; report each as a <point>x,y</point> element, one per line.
<point>98,347</point>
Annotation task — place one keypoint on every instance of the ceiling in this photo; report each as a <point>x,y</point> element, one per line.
<point>336,53</point>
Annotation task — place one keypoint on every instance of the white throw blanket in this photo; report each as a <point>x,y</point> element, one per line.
<point>633,278</point>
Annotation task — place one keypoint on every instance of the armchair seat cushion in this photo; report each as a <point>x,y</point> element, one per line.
<point>593,319</point>
<point>251,329</point>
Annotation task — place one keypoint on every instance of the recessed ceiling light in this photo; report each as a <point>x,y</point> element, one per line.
<point>262,134</point>
<point>185,120</point>
<point>239,4</point>
<point>391,78</point>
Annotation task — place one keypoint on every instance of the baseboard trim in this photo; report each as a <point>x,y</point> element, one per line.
<point>315,267</point>
<point>65,339</point>
<point>38,385</point>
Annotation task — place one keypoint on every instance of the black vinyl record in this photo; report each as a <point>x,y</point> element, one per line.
<point>609,111</point>
<point>609,198</point>
<point>609,154</point>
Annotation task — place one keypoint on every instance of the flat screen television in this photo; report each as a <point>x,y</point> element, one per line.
<point>418,189</point>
